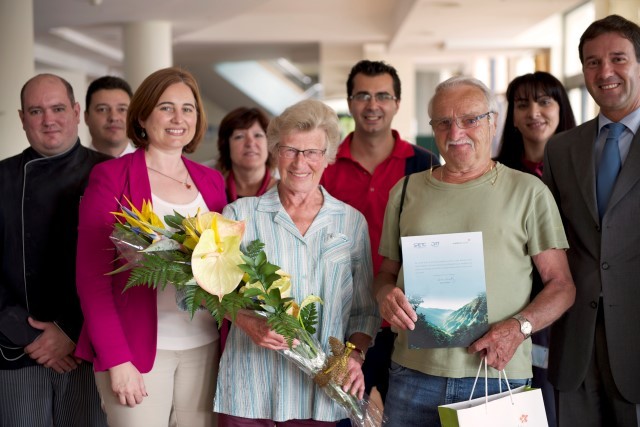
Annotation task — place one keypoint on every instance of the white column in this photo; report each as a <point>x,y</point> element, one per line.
<point>405,121</point>
<point>16,67</point>
<point>148,47</point>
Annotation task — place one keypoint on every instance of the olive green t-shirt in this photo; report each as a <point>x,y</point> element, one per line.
<point>518,218</point>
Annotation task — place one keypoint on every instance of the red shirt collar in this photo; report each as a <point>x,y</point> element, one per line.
<point>401,151</point>
<point>533,167</point>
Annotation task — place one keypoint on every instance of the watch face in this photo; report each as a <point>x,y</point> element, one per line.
<point>525,326</point>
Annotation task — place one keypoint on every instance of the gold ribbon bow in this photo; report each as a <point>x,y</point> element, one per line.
<point>335,368</point>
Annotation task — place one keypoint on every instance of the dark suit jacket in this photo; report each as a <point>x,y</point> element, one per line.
<point>601,256</point>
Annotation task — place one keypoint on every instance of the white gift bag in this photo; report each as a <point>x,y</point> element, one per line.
<point>520,407</point>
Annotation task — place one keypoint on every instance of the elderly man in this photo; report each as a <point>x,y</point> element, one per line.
<point>519,222</point>
<point>41,383</point>
<point>595,351</point>
<point>107,102</point>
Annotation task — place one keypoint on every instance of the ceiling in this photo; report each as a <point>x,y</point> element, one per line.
<point>434,33</point>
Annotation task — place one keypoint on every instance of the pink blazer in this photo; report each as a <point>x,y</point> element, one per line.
<point>121,327</point>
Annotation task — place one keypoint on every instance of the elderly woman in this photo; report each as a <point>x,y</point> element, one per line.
<point>154,365</point>
<point>324,245</point>
<point>244,158</point>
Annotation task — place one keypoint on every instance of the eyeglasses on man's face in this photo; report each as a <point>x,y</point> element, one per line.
<point>380,97</point>
<point>463,122</point>
<point>312,154</point>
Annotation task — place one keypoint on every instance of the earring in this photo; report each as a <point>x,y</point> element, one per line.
<point>143,133</point>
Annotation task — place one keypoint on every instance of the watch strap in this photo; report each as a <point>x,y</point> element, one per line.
<point>360,352</point>
<point>523,320</point>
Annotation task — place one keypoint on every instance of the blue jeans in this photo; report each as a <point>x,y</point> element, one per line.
<point>413,397</point>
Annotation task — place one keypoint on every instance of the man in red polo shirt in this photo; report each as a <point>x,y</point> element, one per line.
<point>370,161</point>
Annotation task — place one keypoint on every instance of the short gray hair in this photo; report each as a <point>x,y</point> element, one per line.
<point>452,82</point>
<point>306,116</point>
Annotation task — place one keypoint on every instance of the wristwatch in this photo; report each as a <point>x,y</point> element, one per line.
<point>360,352</point>
<point>525,325</point>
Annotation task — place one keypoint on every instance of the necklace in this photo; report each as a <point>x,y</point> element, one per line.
<point>185,183</point>
<point>490,167</point>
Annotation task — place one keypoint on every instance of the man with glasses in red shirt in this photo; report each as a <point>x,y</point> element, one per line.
<point>370,161</point>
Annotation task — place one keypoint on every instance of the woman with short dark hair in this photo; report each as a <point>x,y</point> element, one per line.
<point>244,158</point>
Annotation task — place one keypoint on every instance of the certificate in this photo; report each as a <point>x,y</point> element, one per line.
<point>445,284</point>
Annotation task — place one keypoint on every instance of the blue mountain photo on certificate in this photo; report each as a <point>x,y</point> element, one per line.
<point>445,327</point>
<point>445,283</point>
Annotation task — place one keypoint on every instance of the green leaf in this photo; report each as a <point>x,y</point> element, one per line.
<point>268,280</point>
<point>179,237</point>
<point>249,269</point>
<point>190,299</point>
<point>285,325</point>
<point>273,298</point>
<point>284,301</point>
<point>155,272</point>
<point>268,269</point>
<point>174,221</point>
<point>252,292</point>
<point>309,318</point>
<point>233,302</point>
<point>254,248</point>
<point>261,258</point>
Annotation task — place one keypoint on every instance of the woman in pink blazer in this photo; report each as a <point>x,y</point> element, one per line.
<point>142,347</point>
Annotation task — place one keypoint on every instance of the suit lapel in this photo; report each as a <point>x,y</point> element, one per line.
<point>629,174</point>
<point>582,156</point>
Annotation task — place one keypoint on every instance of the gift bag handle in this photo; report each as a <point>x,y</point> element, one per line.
<point>486,387</point>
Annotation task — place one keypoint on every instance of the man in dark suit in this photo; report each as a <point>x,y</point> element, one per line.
<point>595,350</point>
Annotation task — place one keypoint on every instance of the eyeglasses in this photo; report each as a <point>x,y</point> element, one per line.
<point>380,97</point>
<point>313,154</point>
<point>463,122</point>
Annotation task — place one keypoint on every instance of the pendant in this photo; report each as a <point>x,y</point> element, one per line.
<point>187,185</point>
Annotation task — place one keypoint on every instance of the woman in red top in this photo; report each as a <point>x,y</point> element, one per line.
<point>244,158</point>
<point>538,109</point>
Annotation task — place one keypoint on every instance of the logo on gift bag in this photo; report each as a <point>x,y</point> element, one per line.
<point>524,418</point>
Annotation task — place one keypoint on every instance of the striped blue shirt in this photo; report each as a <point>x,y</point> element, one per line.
<point>333,261</point>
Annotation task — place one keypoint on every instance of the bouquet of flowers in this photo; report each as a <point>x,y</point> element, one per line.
<point>201,257</point>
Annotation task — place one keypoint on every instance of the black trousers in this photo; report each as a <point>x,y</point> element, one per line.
<point>36,396</point>
<point>597,402</point>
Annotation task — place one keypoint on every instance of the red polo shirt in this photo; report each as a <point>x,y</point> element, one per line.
<point>348,181</point>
